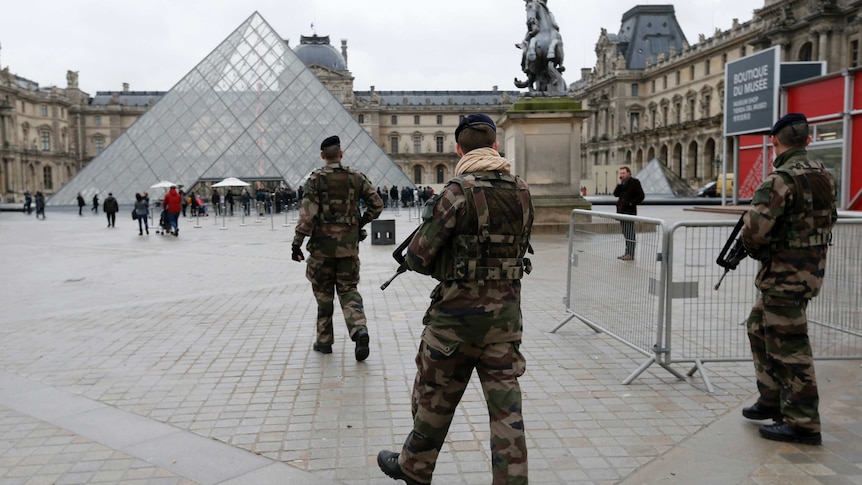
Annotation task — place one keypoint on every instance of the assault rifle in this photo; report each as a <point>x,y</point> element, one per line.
<point>400,255</point>
<point>732,253</point>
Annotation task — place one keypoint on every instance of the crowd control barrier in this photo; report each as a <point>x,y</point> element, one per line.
<point>664,303</point>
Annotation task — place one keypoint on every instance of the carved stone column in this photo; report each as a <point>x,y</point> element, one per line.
<point>823,47</point>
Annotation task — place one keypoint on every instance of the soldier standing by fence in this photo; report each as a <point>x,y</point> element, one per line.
<point>330,217</point>
<point>788,229</point>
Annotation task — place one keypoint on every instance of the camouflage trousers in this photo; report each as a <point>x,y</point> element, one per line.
<point>329,276</point>
<point>441,379</point>
<point>783,361</point>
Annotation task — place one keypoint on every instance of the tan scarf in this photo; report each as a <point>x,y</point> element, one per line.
<point>482,159</point>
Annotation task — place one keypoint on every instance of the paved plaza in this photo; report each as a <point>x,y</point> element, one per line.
<point>162,360</point>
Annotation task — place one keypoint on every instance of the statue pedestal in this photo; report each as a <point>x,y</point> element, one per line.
<point>543,141</point>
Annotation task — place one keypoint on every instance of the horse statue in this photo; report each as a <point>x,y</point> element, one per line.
<point>542,57</point>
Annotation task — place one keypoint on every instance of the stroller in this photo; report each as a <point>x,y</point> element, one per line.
<point>164,225</point>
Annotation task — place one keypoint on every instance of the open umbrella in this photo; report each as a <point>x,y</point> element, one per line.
<point>164,184</point>
<point>231,182</point>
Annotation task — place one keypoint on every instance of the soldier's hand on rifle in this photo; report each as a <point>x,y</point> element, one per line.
<point>296,253</point>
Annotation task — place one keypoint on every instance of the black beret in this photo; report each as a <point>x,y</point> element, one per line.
<point>788,119</point>
<point>331,141</point>
<point>473,120</point>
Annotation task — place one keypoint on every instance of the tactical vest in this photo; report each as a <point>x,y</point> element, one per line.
<point>496,240</point>
<point>337,193</point>
<point>808,222</point>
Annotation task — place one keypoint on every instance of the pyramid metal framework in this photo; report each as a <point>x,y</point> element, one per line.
<point>251,109</point>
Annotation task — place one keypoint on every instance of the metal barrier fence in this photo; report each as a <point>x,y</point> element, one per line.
<point>624,299</point>
<point>668,292</point>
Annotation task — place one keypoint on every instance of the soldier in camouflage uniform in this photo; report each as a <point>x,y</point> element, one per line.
<point>788,229</point>
<point>331,218</point>
<point>473,240</point>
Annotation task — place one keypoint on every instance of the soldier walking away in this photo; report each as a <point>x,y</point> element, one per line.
<point>630,194</point>
<point>111,208</point>
<point>473,240</point>
<point>331,218</point>
<point>81,204</point>
<point>788,229</point>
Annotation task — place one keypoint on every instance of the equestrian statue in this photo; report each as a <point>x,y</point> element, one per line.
<point>542,56</point>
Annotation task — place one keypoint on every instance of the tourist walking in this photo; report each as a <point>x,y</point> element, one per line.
<point>142,211</point>
<point>110,206</point>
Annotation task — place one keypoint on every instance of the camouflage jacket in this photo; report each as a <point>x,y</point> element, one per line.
<point>462,310</point>
<point>789,225</point>
<point>330,214</point>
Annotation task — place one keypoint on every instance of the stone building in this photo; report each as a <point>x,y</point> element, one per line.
<point>416,128</point>
<point>654,95</point>
<point>48,134</point>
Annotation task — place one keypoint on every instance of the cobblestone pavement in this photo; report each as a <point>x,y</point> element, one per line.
<point>155,359</point>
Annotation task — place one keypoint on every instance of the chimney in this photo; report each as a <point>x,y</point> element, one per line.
<point>585,73</point>
<point>344,50</point>
<point>494,88</point>
<point>125,87</point>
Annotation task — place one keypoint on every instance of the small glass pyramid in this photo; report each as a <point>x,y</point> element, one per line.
<point>250,109</point>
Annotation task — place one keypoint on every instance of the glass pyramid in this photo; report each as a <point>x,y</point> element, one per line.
<point>659,180</point>
<point>250,109</point>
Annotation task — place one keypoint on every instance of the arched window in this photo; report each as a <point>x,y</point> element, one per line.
<point>805,51</point>
<point>47,178</point>
<point>417,174</point>
<point>441,174</point>
<point>692,171</point>
<point>676,167</point>
<point>99,143</point>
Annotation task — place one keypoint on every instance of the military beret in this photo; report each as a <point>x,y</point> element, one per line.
<point>788,119</point>
<point>474,120</point>
<point>331,141</point>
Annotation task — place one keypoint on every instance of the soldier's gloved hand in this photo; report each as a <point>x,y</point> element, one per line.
<point>363,234</point>
<point>296,253</point>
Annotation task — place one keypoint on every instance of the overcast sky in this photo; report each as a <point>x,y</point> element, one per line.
<point>392,44</point>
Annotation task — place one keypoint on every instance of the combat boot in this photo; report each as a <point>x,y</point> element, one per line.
<point>759,411</point>
<point>787,433</point>
<point>322,348</point>
<point>362,340</point>
<point>388,463</point>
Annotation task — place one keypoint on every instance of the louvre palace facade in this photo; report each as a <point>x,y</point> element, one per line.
<point>651,94</point>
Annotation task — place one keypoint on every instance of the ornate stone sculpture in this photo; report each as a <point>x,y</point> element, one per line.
<point>542,56</point>
<point>72,79</point>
